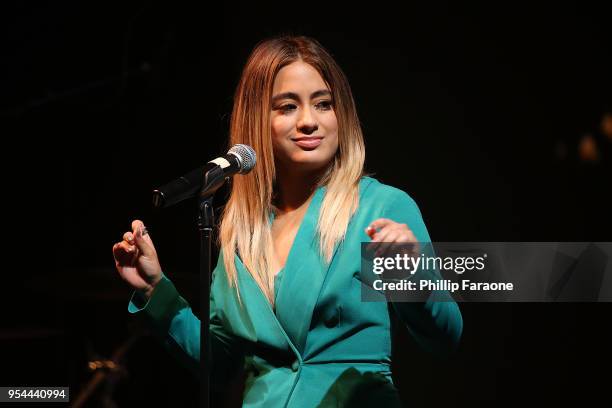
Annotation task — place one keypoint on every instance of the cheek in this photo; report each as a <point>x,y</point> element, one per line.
<point>331,126</point>
<point>330,122</point>
<point>281,128</point>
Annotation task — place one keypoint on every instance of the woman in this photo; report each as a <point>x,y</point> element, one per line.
<point>286,296</point>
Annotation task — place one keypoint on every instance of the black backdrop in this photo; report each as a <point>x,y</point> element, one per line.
<point>476,112</point>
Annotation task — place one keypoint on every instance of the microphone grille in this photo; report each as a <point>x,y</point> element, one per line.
<point>246,156</point>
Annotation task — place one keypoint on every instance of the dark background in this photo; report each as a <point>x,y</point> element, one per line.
<point>477,112</point>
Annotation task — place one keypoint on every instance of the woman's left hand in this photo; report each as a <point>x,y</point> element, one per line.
<point>384,231</point>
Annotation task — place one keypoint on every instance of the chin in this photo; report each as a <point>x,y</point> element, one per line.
<point>306,160</point>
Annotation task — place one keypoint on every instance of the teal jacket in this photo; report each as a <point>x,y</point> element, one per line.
<point>322,346</point>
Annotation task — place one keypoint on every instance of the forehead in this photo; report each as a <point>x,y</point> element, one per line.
<point>298,76</point>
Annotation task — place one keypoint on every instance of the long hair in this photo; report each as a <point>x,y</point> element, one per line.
<point>246,222</point>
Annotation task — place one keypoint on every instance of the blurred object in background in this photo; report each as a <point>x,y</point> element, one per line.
<point>587,149</point>
<point>593,147</point>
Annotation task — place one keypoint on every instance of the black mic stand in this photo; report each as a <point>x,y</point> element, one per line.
<point>206,221</point>
<point>213,179</point>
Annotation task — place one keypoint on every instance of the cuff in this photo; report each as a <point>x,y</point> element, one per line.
<point>164,303</point>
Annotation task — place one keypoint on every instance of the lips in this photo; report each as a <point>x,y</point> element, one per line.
<point>308,143</point>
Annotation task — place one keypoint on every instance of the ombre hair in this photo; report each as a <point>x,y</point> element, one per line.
<point>246,222</point>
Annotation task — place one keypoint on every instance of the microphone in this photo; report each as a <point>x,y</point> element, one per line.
<point>207,179</point>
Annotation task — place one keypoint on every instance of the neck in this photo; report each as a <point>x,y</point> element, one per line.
<point>294,189</point>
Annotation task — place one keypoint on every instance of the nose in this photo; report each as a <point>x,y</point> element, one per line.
<point>307,122</point>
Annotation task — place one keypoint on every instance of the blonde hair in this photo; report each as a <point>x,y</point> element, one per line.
<point>245,226</point>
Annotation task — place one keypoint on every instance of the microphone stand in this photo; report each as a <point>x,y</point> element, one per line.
<point>206,219</point>
<point>213,179</point>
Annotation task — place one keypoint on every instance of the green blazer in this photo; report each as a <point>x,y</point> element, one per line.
<point>322,346</point>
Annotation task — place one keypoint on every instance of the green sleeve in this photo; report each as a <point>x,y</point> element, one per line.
<point>171,319</point>
<point>436,325</point>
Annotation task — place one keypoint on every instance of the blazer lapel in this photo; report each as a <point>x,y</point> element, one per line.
<point>254,314</point>
<point>303,277</point>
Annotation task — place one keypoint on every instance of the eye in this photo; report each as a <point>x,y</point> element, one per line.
<point>324,105</point>
<point>286,108</point>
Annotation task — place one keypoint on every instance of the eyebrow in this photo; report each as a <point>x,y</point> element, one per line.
<point>293,95</point>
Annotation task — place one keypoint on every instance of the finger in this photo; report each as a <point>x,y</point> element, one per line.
<point>388,235</point>
<point>391,236</point>
<point>116,251</point>
<point>137,224</point>
<point>124,253</point>
<point>128,252</point>
<point>142,238</point>
<point>377,238</point>
<point>380,223</point>
<point>370,231</point>
<point>145,233</point>
<point>124,247</point>
<point>402,241</point>
<point>376,226</point>
<point>129,237</point>
<point>385,241</point>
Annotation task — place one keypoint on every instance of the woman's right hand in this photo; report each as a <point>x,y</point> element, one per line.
<point>136,259</point>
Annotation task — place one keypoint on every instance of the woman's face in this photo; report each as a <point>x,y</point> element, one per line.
<point>304,125</point>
